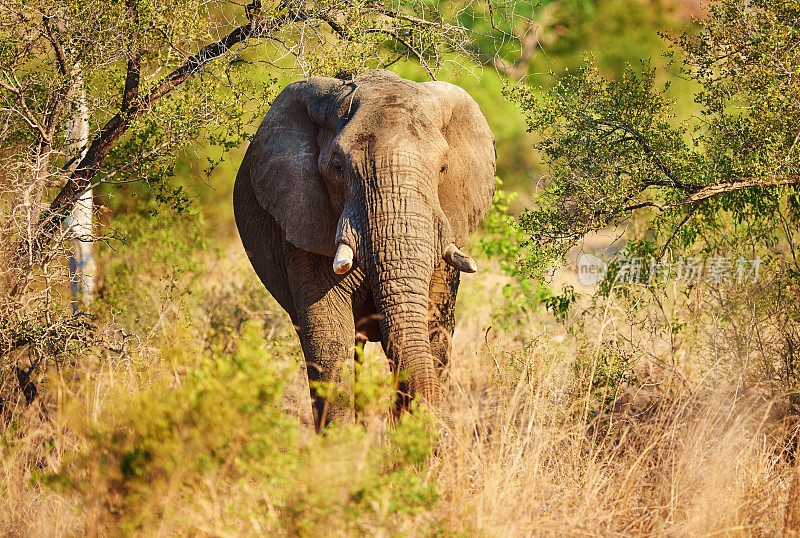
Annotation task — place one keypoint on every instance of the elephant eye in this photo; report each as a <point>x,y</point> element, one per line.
<point>444,167</point>
<point>336,164</point>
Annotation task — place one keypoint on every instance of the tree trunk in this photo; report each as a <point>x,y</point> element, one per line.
<point>81,261</point>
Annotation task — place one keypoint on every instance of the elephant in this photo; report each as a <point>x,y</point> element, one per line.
<point>353,201</point>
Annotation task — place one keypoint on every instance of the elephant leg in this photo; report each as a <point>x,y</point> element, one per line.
<point>326,330</point>
<point>328,348</point>
<point>441,311</point>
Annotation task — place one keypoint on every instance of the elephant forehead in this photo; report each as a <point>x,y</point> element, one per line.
<point>392,99</point>
<point>388,117</point>
<point>387,97</point>
<point>381,133</point>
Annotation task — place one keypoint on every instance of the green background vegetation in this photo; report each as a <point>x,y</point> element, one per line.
<point>623,410</point>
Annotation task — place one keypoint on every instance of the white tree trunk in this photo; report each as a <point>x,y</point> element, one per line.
<point>81,263</point>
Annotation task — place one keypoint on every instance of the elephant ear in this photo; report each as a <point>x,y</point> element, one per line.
<point>283,166</point>
<point>467,184</point>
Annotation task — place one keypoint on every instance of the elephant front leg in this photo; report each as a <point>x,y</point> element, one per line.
<point>324,319</point>
<point>441,311</point>
<point>328,348</point>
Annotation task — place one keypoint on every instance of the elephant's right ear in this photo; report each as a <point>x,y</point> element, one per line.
<point>283,168</point>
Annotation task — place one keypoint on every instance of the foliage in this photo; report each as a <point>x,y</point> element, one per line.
<point>595,158</point>
<point>612,147</point>
<point>722,182</point>
<point>524,39</point>
<point>602,376</point>
<point>616,32</point>
<point>152,258</point>
<point>561,304</point>
<point>157,456</point>
<point>503,241</point>
<point>636,259</point>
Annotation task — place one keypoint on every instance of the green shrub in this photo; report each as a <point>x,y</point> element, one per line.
<point>151,262</point>
<point>209,449</point>
<point>504,241</point>
<point>602,375</point>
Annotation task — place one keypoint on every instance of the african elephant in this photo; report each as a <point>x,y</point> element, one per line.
<point>351,202</point>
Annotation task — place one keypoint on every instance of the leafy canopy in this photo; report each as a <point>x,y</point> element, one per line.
<point>615,146</point>
<point>159,75</point>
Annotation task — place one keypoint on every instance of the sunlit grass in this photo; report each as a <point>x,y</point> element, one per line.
<point>527,453</point>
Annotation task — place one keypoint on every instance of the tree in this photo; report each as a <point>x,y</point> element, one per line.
<point>615,148</point>
<point>149,78</point>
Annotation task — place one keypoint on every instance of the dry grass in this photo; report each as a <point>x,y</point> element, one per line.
<point>665,460</point>
<point>696,466</point>
<point>528,454</point>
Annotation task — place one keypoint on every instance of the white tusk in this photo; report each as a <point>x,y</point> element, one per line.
<point>458,259</point>
<point>343,260</point>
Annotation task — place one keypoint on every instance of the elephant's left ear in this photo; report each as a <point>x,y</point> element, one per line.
<point>468,177</point>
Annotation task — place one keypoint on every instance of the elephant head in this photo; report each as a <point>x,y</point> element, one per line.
<point>383,173</point>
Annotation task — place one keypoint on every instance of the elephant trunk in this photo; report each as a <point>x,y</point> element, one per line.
<point>401,250</point>
<point>402,302</point>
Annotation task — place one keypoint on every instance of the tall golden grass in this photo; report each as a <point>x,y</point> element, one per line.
<point>529,452</point>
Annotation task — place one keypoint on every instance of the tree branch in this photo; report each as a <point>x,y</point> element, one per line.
<point>24,111</point>
<point>118,124</point>
<point>61,57</point>
<point>647,149</point>
<point>415,20</point>
<point>133,74</point>
<point>57,98</point>
<point>718,188</point>
<point>746,183</point>
<point>407,45</point>
<point>680,225</point>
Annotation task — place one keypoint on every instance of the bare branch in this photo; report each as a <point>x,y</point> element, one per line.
<point>52,36</point>
<point>490,6</point>
<point>731,186</point>
<point>415,20</point>
<point>718,188</point>
<point>132,77</point>
<point>57,100</point>
<point>24,111</point>
<point>642,205</point>
<point>407,45</point>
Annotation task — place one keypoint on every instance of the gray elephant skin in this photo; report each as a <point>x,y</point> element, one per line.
<point>352,203</point>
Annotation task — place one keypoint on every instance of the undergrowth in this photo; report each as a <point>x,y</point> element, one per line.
<point>575,414</point>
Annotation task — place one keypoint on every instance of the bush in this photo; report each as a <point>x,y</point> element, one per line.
<point>504,241</point>
<point>152,259</point>
<point>211,450</point>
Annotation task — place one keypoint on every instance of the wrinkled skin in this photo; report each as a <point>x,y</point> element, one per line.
<point>401,173</point>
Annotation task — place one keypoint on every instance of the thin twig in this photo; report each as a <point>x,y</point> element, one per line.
<point>681,224</point>
<point>407,45</point>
